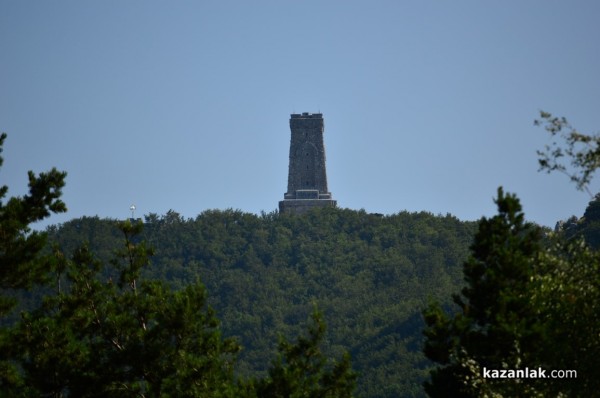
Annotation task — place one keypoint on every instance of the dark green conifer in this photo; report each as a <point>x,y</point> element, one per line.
<point>21,264</point>
<point>496,326</point>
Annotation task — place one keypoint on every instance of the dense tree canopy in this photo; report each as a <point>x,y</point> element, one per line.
<point>99,328</point>
<point>20,262</point>
<point>531,300</point>
<point>122,336</point>
<point>100,316</point>
<point>369,274</point>
<point>497,325</point>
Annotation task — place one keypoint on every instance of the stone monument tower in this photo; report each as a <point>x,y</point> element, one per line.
<point>307,178</point>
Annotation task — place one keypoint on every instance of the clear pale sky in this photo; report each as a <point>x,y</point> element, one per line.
<point>184,105</point>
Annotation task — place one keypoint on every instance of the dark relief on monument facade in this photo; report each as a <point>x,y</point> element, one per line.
<point>307,177</point>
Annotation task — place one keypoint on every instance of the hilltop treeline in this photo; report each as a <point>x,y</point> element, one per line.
<point>370,275</point>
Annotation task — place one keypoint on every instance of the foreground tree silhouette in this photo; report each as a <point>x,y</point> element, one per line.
<point>496,326</point>
<point>302,370</point>
<point>567,294</point>
<point>569,289</point>
<point>106,333</point>
<point>528,302</point>
<point>572,153</point>
<point>21,264</point>
<point>102,331</point>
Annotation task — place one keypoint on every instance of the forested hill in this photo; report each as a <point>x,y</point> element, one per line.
<point>371,275</point>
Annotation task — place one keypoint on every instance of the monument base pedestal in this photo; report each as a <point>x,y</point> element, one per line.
<point>301,206</point>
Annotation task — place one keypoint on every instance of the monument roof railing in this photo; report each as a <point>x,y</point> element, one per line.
<point>306,115</point>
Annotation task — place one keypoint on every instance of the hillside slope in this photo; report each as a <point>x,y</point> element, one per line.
<point>371,275</point>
